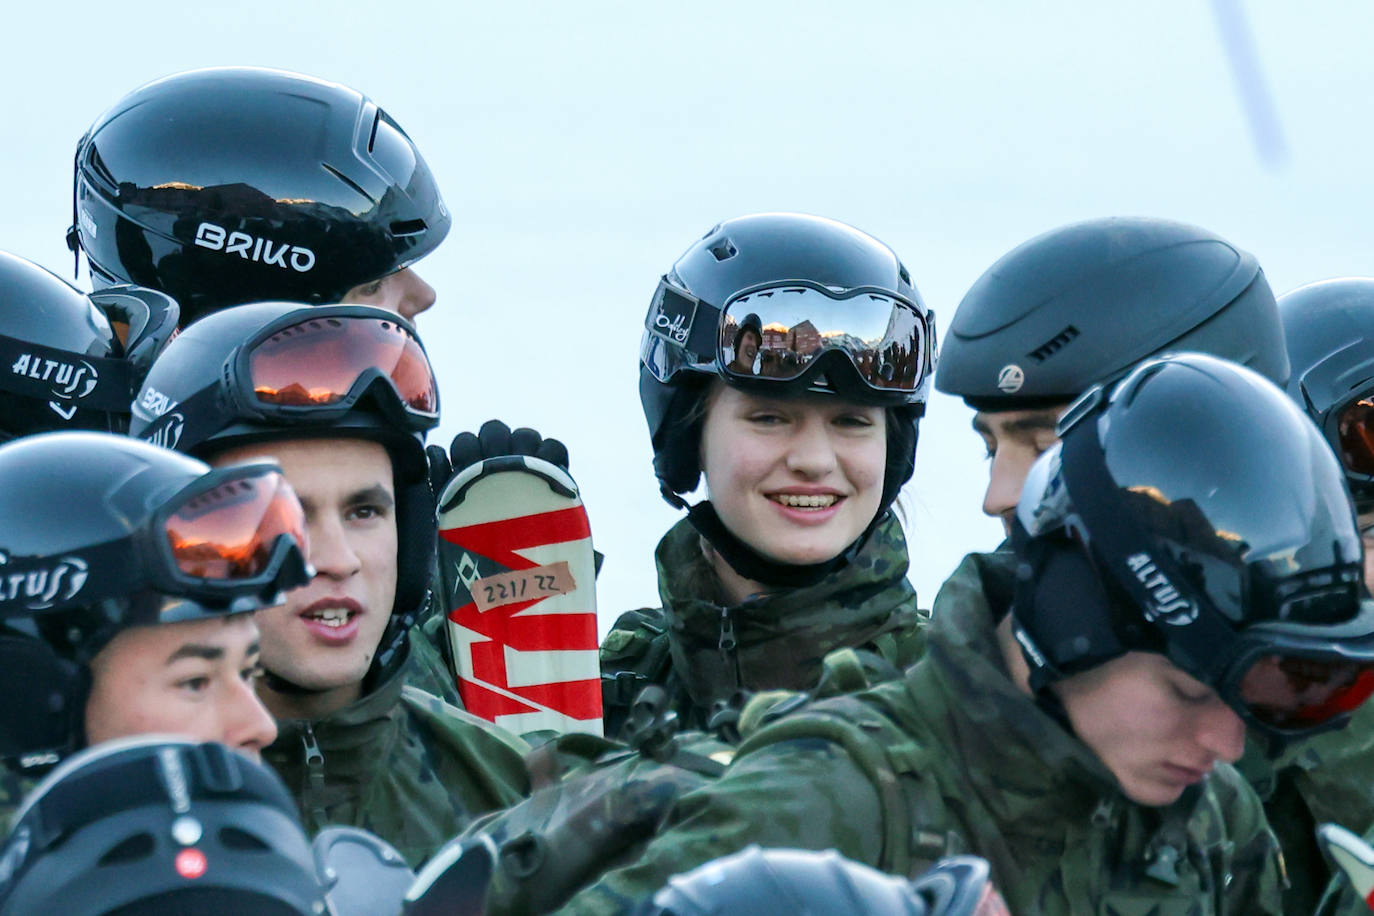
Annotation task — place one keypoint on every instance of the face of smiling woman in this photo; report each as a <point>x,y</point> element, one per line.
<point>797,479</point>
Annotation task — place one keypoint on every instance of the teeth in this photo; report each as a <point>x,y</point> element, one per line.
<point>819,501</point>
<point>331,617</point>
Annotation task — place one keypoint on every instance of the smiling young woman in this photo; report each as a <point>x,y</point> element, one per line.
<point>786,361</point>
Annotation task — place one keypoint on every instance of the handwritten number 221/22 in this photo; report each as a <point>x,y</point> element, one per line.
<point>502,591</point>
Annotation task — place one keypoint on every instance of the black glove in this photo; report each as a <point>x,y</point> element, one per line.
<point>493,439</point>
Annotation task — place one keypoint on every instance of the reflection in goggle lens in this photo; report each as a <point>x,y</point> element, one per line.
<point>1294,692</point>
<point>778,333</point>
<point>229,531</point>
<point>1355,428</point>
<point>316,363</point>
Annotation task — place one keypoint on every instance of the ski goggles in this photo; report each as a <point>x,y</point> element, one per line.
<point>1352,430</point>
<point>314,365</point>
<point>233,539</point>
<point>779,332</point>
<point>1295,690</point>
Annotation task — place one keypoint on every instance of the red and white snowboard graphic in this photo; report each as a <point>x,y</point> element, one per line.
<point>516,552</point>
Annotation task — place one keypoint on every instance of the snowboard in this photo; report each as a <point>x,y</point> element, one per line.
<point>518,575</point>
<point>1351,856</point>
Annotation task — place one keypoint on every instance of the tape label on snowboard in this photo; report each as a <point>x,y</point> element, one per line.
<point>522,585</point>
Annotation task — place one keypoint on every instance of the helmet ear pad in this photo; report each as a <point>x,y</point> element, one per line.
<point>45,704</point>
<point>1075,618</point>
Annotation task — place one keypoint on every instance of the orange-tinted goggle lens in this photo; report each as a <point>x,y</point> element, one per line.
<point>316,363</point>
<point>1355,430</point>
<point>229,531</point>
<point>1295,692</point>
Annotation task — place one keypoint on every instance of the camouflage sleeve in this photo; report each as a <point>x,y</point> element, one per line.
<point>803,793</point>
<point>634,654</point>
<point>1254,878</point>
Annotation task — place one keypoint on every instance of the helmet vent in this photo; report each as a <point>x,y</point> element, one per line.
<point>1054,344</point>
<point>138,846</point>
<point>903,275</point>
<point>408,227</point>
<point>234,838</point>
<point>724,250</point>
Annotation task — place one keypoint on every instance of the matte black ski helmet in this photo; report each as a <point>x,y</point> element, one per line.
<point>201,397</point>
<point>240,184</point>
<point>154,826</point>
<point>62,365</point>
<point>100,533</point>
<point>784,272</point>
<point>1329,327</point>
<point>801,882</point>
<point>1193,510</point>
<point>1082,303</point>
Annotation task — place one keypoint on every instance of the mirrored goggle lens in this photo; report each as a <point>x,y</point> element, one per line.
<point>1295,692</point>
<point>317,362</point>
<point>229,532</point>
<point>777,333</point>
<point>1355,432</point>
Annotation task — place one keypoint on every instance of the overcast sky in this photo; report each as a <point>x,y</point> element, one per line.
<point>582,146</point>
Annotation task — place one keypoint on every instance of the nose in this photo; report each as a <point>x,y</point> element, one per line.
<point>331,552</point>
<point>810,452</point>
<point>1005,479</point>
<point>248,726</point>
<point>416,295</point>
<point>1221,731</point>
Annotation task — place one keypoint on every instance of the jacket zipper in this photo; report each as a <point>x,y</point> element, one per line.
<point>314,768</point>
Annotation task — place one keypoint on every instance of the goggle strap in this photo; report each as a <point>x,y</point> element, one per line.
<point>1204,644</point>
<point>684,321</point>
<point>192,420</point>
<point>63,377</point>
<point>32,585</point>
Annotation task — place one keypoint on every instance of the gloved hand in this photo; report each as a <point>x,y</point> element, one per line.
<point>493,439</point>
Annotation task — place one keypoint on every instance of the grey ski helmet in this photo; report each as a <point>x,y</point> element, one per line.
<point>837,313</point>
<point>801,882</point>
<point>1083,303</point>
<point>241,184</point>
<point>153,826</point>
<point>1329,327</point>
<point>1193,510</point>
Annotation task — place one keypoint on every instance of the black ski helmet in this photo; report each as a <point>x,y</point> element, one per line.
<point>800,882</point>
<point>1081,304</point>
<point>1193,510</point>
<point>100,533</point>
<point>1329,327</point>
<point>154,825</point>
<point>62,365</point>
<point>754,255</point>
<point>240,184</point>
<point>186,404</point>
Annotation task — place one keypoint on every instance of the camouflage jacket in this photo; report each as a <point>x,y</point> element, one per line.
<point>955,758</point>
<point>400,763</point>
<point>703,652</point>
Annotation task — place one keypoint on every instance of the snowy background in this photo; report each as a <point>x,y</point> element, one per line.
<point>583,145</point>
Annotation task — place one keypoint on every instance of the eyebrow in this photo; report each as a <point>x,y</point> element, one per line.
<point>374,494</point>
<point>208,653</point>
<point>196,650</point>
<point>1034,423</point>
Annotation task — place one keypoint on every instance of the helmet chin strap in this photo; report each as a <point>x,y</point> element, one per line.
<point>750,564</point>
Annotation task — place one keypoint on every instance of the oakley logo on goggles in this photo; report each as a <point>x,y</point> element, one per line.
<point>237,532</point>
<point>778,332</point>
<point>315,365</point>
